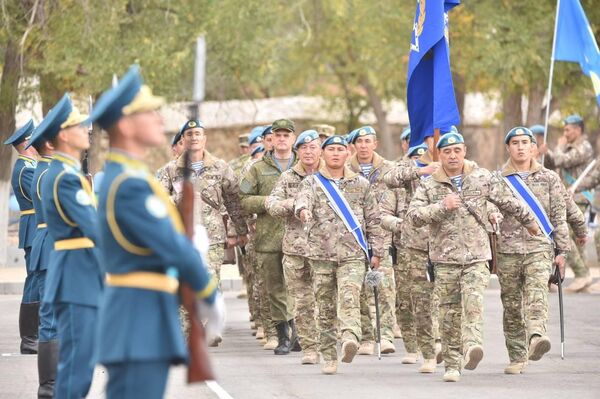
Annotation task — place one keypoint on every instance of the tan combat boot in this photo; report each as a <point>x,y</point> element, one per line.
<point>271,344</point>
<point>428,366</point>
<point>397,332</point>
<point>366,348</point>
<point>578,284</point>
<point>439,356</point>
<point>451,376</point>
<point>330,367</point>
<point>538,347</point>
<point>410,358</point>
<point>515,368</point>
<point>473,357</point>
<point>349,349</point>
<point>260,333</point>
<point>387,347</point>
<point>310,357</point>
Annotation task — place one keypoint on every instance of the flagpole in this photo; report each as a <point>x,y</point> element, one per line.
<point>551,76</point>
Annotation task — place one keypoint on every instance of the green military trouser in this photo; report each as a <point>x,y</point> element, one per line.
<point>387,305</point>
<point>337,283</point>
<point>460,289</point>
<point>249,275</point>
<point>416,302</point>
<point>524,291</point>
<point>263,303</point>
<point>576,256</point>
<point>216,254</point>
<point>299,281</point>
<point>271,265</point>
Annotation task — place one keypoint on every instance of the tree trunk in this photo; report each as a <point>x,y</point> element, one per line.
<point>460,93</point>
<point>535,106</point>
<point>512,116</point>
<point>384,134</point>
<point>9,84</point>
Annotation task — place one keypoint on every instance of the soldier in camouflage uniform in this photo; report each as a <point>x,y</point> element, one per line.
<point>176,150</point>
<point>256,184</point>
<point>573,153</point>
<point>454,203</point>
<point>373,167</point>
<point>524,261</point>
<point>336,258</point>
<point>414,291</point>
<point>298,276</point>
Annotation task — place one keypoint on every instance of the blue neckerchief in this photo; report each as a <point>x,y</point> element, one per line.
<point>522,192</point>
<point>457,182</point>
<point>343,210</point>
<point>570,180</point>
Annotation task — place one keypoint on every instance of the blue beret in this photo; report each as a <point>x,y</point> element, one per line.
<point>21,134</point>
<point>340,140</point>
<point>449,139</point>
<point>573,120</point>
<point>518,131</point>
<point>417,150</point>
<point>537,129</point>
<point>361,132</point>
<point>176,138</point>
<point>260,148</point>
<point>267,130</point>
<point>306,137</point>
<point>191,124</point>
<point>405,134</point>
<point>256,135</point>
<point>350,136</point>
<point>51,124</point>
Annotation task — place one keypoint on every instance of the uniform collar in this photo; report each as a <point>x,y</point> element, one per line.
<point>299,168</point>
<point>509,168</point>
<point>442,177</point>
<point>126,159</point>
<point>26,158</point>
<point>348,173</point>
<point>69,160</point>
<point>377,162</point>
<point>45,158</point>
<point>208,159</point>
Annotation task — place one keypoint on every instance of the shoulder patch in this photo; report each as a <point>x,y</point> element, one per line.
<point>156,207</point>
<point>83,198</point>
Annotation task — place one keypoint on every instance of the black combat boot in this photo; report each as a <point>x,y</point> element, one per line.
<point>28,327</point>
<point>47,363</point>
<point>283,338</point>
<point>295,340</point>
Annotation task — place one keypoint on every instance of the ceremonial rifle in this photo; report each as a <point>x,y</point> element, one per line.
<point>199,368</point>
<point>373,279</point>
<point>85,162</point>
<point>557,278</point>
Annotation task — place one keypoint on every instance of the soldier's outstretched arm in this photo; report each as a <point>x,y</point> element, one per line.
<point>422,211</point>
<point>578,155</point>
<point>372,215</point>
<point>305,197</point>
<point>591,181</point>
<point>252,202</point>
<point>403,172</point>
<point>501,196</point>
<point>575,218</point>
<point>76,203</point>
<point>277,203</point>
<point>558,214</point>
<point>233,204</point>
<point>388,207</point>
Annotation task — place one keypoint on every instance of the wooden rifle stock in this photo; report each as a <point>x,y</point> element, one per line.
<point>199,368</point>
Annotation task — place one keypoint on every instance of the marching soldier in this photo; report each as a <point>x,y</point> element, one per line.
<point>298,275</point>
<point>343,220</point>
<point>22,176</point>
<point>453,203</point>
<point>267,138</point>
<point>146,252</point>
<point>41,249</point>
<point>373,167</point>
<point>255,186</point>
<point>573,153</point>
<point>75,279</point>
<point>524,261</point>
<point>405,140</point>
<point>177,149</point>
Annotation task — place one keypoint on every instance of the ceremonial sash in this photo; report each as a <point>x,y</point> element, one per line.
<point>570,179</point>
<point>343,210</point>
<point>522,192</point>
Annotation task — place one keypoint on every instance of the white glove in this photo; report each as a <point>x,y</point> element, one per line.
<point>201,241</point>
<point>212,316</point>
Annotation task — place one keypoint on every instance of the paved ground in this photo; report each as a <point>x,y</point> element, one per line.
<point>246,371</point>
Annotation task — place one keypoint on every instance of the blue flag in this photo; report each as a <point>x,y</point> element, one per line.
<point>430,93</point>
<point>575,41</point>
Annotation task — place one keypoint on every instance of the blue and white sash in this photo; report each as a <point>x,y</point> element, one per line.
<point>343,210</point>
<point>522,192</point>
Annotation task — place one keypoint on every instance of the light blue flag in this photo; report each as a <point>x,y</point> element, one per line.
<point>430,93</point>
<point>575,41</point>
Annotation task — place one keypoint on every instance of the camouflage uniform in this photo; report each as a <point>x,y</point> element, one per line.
<point>387,292</point>
<point>256,184</point>
<point>161,173</point>
<point>525,262</point>
<point>459,248</point>
<point>572,159</point>
<point>415,293</point>
<point>216,194</point>
<point>336,259</point>
<point>296,268</point>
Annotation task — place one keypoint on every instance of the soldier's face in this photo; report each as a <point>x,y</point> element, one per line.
<point>148,128</point>
<point>405,146</point>
<point>453,158</point>
<point>76,137</point>
<point>365,147</point>
<point>195,139</point>
<point>268,142</point>
<point>335,156</point>
<point>519,148</point>
<point>178,148</point>
<point>572,132</point>
<point>309,153</point>
<point>282,140</point>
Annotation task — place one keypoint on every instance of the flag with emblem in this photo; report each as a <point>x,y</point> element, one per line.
<point>430,93</point>
<point>575,41</point>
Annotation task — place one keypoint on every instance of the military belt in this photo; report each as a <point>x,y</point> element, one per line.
<point>73,243</point>
<point>28,212</point>
<point>144,280</point>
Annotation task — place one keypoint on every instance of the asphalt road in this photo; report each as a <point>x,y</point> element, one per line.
<point>246,371</point>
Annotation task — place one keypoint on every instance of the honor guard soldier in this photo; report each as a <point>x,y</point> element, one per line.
<point>571,156</point>
<point>146,252</point>
<point>74,279</point>
<point>22,176</point>
<point>41,249</point>
<point>298,275</point>
<point>344,230</point>
<point>454,203</point>
<point>373,167</point>
<point>525,261</point>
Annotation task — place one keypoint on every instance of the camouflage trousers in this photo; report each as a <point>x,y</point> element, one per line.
<point>247,266</point>
<point>271,267</point>
<point>299,282</point>
<point>387,305</point>
<point>216,254</point>
<point>460,289</point>
<point>337,283</point>
<point>524,291</point>
<point>415,305</point>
